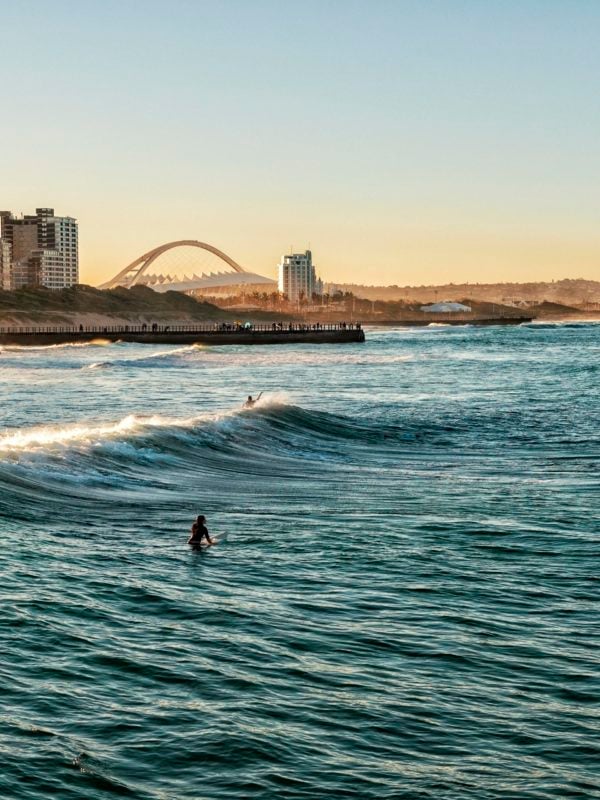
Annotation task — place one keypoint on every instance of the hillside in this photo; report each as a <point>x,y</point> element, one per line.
<point>89,306</point>
<point>579,292</point>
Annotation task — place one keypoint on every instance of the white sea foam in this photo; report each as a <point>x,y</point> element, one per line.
<point>33,348</point>
<point>560,323</point>
<point>273,399</point>
<point>255,357</point>
<point>46,436</point>
<point>284,357</point>
<point>139,360</point>
<point>178,351</point>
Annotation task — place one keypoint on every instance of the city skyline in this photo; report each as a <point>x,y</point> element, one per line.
<point>402,144</point>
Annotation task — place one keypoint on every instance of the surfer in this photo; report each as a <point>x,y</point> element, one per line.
<point>199,531</point>
<point>251,402</point>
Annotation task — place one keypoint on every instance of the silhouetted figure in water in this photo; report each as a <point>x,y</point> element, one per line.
<point>251,402</point>
<point>199,531</point>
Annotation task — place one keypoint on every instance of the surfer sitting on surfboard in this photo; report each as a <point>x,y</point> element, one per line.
<point>199,531</point>
<point>250,401</point>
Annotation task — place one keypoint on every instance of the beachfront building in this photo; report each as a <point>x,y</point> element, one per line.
<point>297,277</point>
<point>5,265</point>
<point>44,249</point>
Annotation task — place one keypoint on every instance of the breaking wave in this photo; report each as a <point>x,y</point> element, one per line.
<point>268,417</point>
<point>64,346</point>
<point>173,354</point>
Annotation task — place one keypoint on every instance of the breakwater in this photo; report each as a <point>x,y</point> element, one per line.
<point>275,333</point>
<point>424,319</point>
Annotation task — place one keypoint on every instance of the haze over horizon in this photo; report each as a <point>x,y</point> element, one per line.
<point>405,143</point>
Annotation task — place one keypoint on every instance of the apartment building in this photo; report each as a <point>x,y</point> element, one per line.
<point>5,265</point>
<point>44,249</point>
<point>297,277</point>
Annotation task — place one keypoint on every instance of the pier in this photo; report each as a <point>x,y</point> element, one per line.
<point>213,334</point>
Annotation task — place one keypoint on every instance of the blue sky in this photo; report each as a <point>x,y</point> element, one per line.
<point>407,142</point>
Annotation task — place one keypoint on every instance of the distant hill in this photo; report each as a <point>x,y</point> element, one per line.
<point>547,309</point>
<point>87,305</point>
<point>570,292</point>
<point>86,299</point>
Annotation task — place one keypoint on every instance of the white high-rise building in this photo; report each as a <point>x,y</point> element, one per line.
<point>297,277</point>
<point>44,249</point>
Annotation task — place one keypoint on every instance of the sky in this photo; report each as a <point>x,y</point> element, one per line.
<point>405,142</point>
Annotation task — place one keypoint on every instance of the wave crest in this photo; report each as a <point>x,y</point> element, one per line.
<point>65,345</point>
<point>272,416</point>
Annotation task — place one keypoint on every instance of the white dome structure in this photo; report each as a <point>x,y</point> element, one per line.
<point>237,279</point>
<point>446,308</point>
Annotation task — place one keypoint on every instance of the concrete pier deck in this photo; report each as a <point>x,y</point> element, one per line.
<point>186,334</point>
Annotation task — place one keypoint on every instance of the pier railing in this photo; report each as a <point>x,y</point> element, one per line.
<point>156,328</point>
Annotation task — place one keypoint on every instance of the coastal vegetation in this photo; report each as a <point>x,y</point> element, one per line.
<point>342,305</point>
<point>90,306</point>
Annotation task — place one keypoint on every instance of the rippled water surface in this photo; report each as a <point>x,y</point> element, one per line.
<point>403,603</point>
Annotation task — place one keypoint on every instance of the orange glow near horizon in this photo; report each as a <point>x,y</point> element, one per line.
<point>415,260</point>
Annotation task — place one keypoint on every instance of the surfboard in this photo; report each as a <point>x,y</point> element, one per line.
<point>215,540</point>
<point>203,544</point>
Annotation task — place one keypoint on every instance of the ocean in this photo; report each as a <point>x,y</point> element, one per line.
<point>404,601</point>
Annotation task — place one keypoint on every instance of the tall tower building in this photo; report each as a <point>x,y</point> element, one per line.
<point>297,277</point>
<point>44,249</point>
